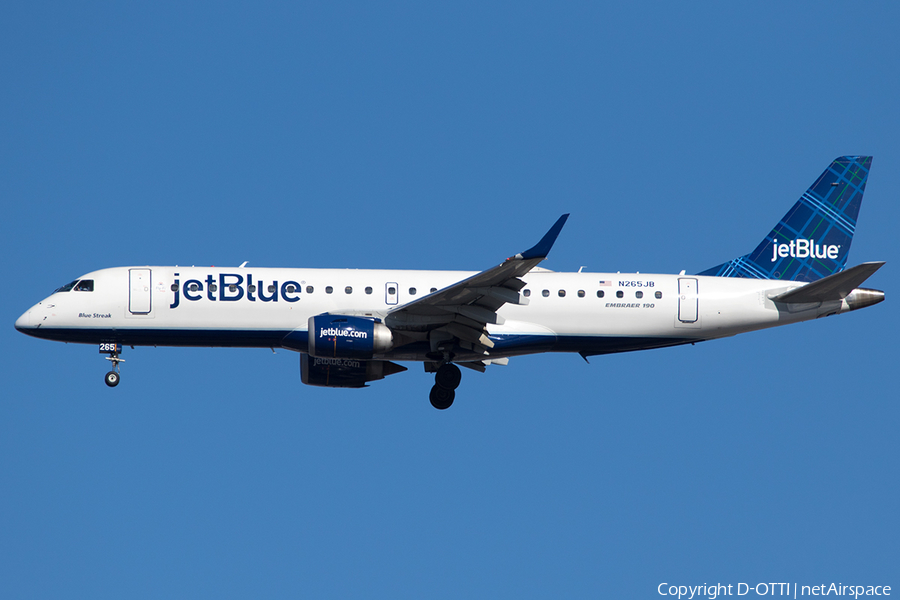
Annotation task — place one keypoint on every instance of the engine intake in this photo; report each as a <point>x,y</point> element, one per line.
<point>344,336</point>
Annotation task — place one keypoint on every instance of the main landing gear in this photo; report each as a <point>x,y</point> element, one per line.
<point>113,350</point>
<point>446,380</point>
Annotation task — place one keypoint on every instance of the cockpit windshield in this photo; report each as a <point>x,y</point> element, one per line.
<point>66,288</point>
<point>82,285</point>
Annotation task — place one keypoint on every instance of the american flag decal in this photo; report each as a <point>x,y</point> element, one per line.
<point>605,283</point>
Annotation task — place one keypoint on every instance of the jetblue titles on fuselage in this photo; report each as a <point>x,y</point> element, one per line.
<point>230,287</point>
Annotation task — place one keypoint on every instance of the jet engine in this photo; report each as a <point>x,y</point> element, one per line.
<point>344,336</point>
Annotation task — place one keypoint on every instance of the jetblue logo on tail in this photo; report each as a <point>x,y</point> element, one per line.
<point>804,249</point>
<point>826,211</point>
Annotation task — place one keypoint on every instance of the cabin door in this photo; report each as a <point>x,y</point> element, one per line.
<point>139,291</point>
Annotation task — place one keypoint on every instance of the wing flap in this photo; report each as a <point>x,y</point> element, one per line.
<point>468,334</point>
<point>475,312</point>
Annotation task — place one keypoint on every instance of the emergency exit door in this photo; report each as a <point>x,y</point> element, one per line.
<point>687,300</point>
<point>139,291</point>
<point>391,293</point>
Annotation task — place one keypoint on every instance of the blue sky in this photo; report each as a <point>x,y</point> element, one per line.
<point>450,136</point>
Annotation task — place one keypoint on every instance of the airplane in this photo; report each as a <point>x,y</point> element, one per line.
<point>349,326</point>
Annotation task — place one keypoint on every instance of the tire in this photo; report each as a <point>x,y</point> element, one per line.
<point>448,376</point>
<point>112,379</point>
<point>441,398</point>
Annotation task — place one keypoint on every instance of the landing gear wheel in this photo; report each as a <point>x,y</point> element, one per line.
<point>113,350</point>
<point>448,376</point>
<point>441,398</point>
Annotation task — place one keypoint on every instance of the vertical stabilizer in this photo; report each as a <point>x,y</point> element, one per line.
<point>813,239</point>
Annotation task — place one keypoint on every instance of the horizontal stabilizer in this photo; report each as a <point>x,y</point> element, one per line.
<point>833,287</point>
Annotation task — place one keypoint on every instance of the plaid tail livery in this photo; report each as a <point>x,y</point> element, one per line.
<point>813,239</point>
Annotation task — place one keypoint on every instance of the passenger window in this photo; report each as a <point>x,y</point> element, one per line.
<point>369,290</point>
<point>620,294</point>
<point>290,289</point>
<point>195,287</point>
<point>328,289</point>
<point>433,290</point>
<point>639,294</point>
<point>271,289</point>
<point>309,289</point>
<point>545,293</point>
<point>526,293</point>
<point>392,290</point>
<point>251,288</point>
<point>412,291</point>
<point>233,288</point>
<point>174,287</point>
<point>562,293</point>
<point>213,287</point>
<point>581,293</point>
<point>658,295</point>
<point>600,293</point>
<point>348,290</point>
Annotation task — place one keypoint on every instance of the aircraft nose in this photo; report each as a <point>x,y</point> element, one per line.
<point>24,322</point>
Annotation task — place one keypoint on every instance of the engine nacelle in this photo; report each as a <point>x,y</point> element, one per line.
<point>344,372</point>
<point>344,336</point>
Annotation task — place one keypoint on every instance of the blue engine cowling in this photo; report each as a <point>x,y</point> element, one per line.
<point>344,372</point>
<point>343,336</point>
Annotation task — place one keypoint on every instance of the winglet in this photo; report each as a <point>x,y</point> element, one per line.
<point>542,248</point>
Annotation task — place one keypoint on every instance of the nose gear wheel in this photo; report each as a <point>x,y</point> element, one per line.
<point>112,379</point>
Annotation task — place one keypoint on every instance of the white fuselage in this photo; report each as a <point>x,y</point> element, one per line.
<point>591,313</point>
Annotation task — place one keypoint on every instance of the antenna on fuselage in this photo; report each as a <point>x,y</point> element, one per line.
<point>243,264</point>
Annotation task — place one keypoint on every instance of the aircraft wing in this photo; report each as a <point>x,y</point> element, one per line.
<point>462,311</point>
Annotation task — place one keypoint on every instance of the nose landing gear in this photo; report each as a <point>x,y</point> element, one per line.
<point>446,380</point>
<point>113,350</point>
